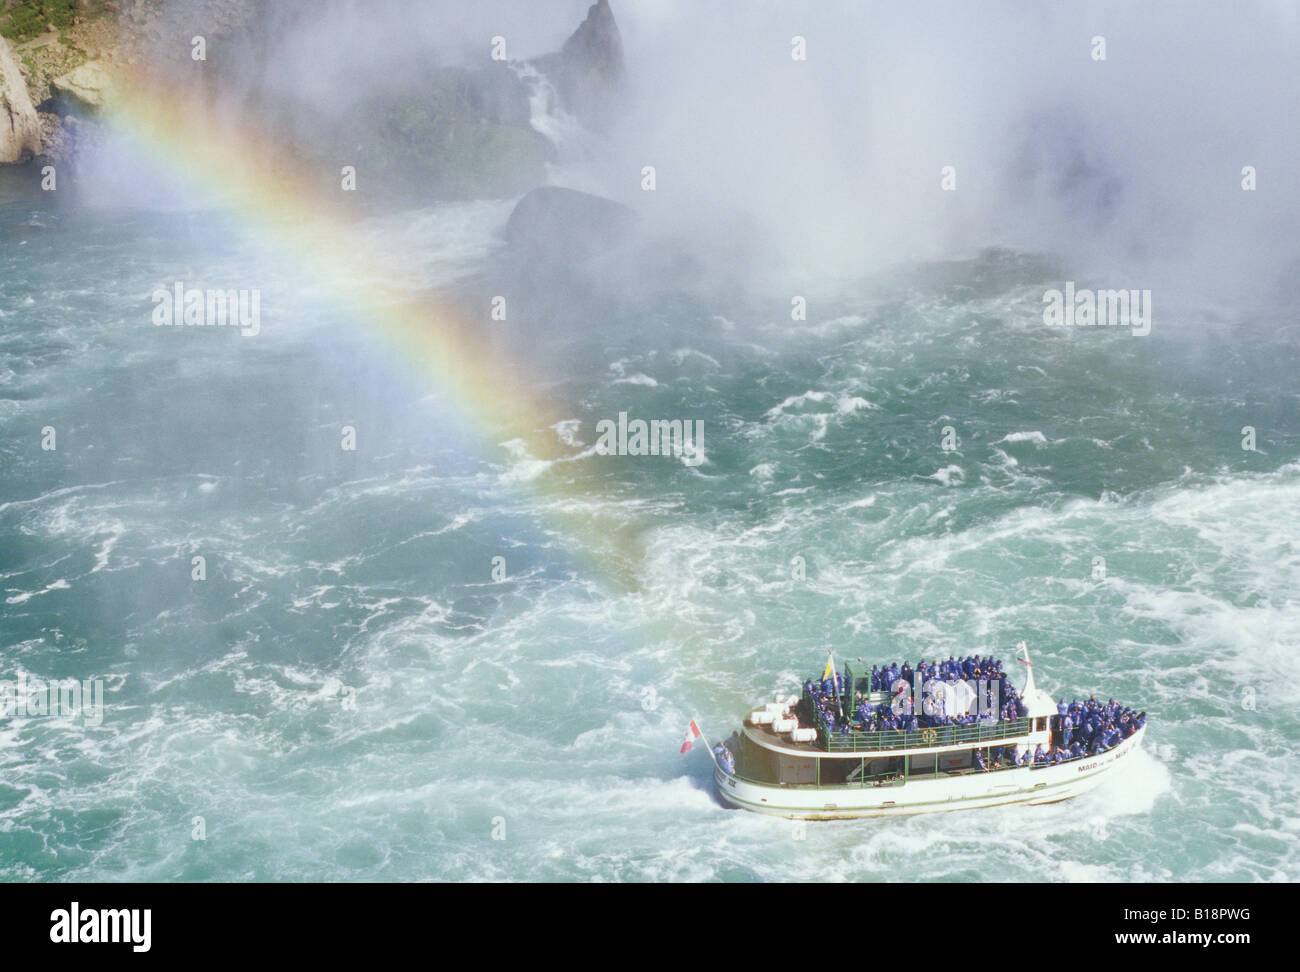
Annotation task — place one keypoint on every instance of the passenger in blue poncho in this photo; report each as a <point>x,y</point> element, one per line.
<point>725,759</point>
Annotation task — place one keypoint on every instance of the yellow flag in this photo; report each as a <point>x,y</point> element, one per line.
<point>830,665</point>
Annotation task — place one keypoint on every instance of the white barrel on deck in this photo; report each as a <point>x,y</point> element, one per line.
<point>761,717</point>
<point>785,725</point>
<point>777,706</point>
<point>803,735</point>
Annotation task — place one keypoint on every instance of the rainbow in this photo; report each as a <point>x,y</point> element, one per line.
<point>276,197</point>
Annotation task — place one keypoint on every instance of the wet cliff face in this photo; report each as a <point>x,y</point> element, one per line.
<point>20,130</point>
<point>467,131</point>
<point>461,133</point>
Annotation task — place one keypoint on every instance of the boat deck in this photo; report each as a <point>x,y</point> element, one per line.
<point>768,739</point>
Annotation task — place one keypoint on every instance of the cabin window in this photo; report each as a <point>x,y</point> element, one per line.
<point>797,769</point>
<point>923,764</point>
<point>1040,724</point>
<point>954,760</point>
<point>887,767</point>
<point>836,772</point>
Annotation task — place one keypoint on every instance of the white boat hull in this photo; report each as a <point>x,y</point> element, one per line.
<point>1048,784</point>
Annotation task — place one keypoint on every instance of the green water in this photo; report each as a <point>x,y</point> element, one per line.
<point>351,695</point>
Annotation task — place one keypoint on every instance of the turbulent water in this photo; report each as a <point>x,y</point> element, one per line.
<point>350,695</point>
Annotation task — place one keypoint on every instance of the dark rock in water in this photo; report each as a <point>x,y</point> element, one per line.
<point>565,225</point>
<point>588,70</point>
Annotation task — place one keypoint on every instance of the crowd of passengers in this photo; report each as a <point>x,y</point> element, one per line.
<point>1091,727</point>
<point>1084,728</point>
<point>932,712</point>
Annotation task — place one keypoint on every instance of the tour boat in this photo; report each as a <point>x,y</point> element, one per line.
<point>787,761</point>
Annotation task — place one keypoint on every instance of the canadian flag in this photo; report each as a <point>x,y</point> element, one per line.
<point>692,734</point>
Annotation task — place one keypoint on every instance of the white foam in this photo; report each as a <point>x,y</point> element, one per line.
<point>950,475</point>
<point>25,596</point>
<point>1037,438</point>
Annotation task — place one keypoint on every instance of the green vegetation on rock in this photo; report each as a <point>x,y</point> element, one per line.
<point>22,20</point>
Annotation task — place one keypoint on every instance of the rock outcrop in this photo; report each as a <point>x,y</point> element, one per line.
<point>552,223</point>
<point>20,129</point>
<point>86,89</point>
<point>588,70</point>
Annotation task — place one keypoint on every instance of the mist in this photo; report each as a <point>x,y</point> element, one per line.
<point>774,171</point>
<point>1131,165</point>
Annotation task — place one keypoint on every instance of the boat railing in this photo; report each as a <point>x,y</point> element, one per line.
<point>936,737</point>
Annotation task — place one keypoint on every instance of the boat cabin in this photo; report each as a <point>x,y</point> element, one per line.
<point>791,742</point>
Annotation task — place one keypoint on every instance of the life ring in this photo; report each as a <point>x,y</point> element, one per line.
<point>928,736</point>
